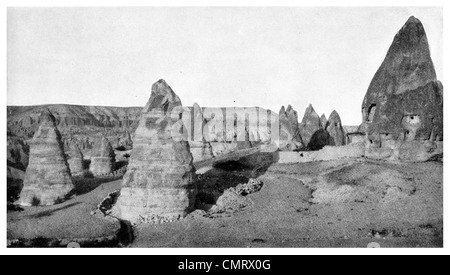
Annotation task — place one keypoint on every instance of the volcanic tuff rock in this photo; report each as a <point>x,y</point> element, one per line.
<point>200,148</point>
<point>80,124</point>
<point>47,179</point>
<point>17,153</point>
<point>313,135</point>
<point>404,102</point>
<point>290,138</point>
<point>102,158</point>
<point>335,129</point>
<point>323,121</point>
<point>74,157</point>
<point>160,177</point>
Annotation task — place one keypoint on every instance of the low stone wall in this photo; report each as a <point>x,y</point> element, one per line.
<point>355,150</point>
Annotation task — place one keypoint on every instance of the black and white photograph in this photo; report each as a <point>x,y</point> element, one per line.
<point>246,127</point>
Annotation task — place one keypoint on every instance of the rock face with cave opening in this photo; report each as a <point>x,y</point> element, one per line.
<point>159,181</point>
<point>47,179</point>
<point>403,108</point>
<point>103,157</point>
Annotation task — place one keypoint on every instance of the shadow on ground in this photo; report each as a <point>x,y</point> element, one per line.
<point>228,174</point>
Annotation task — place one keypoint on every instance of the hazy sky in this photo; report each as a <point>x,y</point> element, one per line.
<point>264,57</point>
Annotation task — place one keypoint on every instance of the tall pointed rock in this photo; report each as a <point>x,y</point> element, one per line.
<point>200,148</point>
<point>309,130</point>
<point>323,121</point>
<point>47,178</point>
<point>159,181</point>
<point>103,157</point>
<point>290,138</point>
<point>404,101</point>
<point>335,129</point>
<point>74,157</point>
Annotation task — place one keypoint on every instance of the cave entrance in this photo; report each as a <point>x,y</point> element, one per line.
<point>371,113</point>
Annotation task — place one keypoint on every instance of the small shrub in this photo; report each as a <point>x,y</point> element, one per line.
<point>35,201</point>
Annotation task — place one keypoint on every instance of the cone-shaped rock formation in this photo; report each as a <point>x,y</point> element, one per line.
<point>404,102</point>
<point>335,129</point>
<point>323,121</point>
<point>200,148</point>
<point>103,157</point>
<point>47,179</point>
<point>290,138</point>
<point>74,157</point>
<point>160,177</point>
<point>311,131</point>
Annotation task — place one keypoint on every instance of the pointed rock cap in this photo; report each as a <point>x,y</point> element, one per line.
<point>72,149</point>
<point>197,110</point>
<point>413,29</point>
<point>47,118</point>
<point>334,117</point>
<point>310,112</point>
<point>282,110</point>
<point>162,98</point>
<point>289,109</point>
<point>102,148</point>
<point>323,121</point>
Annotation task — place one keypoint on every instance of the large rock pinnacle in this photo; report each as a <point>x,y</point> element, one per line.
<point>404,102</point>
<point>159,182</point>
<point>47,179</point>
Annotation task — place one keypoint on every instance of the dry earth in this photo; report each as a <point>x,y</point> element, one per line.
<point>326,204</point>
<point>341,203</point>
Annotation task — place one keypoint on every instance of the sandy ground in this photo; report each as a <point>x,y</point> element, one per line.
<point>345,203</point>
<point>326,204</point>
<point>69,220</point>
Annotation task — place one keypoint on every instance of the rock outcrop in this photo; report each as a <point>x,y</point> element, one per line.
<point>17,153</point>
<point>323,121</point>
<point>201,149</point>
<point>336,131</point>
<point>159,181</point>
<point>313,135</point>
<point>47,179</point>
<point>102,158</point>
<point>403,107</point>
<point>290,138</point>
<point>74,158</point>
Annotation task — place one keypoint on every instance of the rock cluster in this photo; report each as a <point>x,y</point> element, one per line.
<point>290,138</point>
<point>47,179</point>
<point>314,136</point>
<point>160,178</point>
<point>403,107</point>
<point>102,158</point>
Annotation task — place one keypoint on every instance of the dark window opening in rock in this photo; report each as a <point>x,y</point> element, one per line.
<point>86,164</point>
<point>372,109</point>
<point>121,148</point>
<point>301,154</point>
<point>336,124</point>
<point>231,166</point>
<point>412,117</point>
